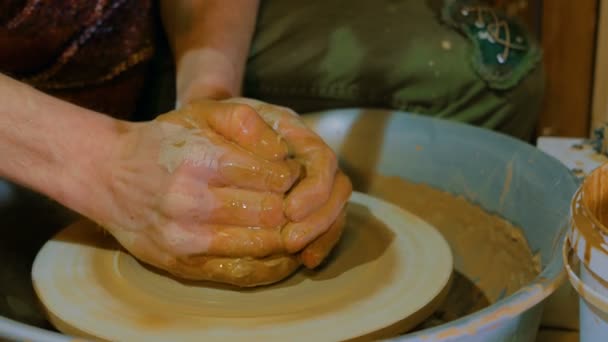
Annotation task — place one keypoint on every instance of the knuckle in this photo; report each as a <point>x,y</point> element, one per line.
<point>181,203</point>
<point>172,237</point>
<point>245,119</point>
<point>170,206</point>
<point>243,112</point>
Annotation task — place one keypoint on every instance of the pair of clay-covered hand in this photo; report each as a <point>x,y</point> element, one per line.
<point>236,191</point>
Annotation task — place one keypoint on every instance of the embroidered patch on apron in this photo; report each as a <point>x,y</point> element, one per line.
<point>504,52</point>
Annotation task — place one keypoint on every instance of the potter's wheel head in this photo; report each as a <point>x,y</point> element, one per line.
<point>389,272</point>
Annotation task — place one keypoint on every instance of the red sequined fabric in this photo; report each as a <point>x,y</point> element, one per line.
<point>89,52</point>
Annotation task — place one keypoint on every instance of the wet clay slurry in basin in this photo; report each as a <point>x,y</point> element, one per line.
<point>492,258</point>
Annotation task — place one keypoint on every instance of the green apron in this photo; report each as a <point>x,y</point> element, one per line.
<point>412,55</point>
<point>448,59</point>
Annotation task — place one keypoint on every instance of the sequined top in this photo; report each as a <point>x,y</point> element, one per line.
<point>92,53</point>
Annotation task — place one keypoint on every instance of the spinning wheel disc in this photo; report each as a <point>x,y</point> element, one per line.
<point>389,272</point>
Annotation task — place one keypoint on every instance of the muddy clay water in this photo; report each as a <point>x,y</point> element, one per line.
<point>491,256</point>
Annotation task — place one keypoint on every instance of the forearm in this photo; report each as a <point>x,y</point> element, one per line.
<point>210,41</point>
<point>51,146</point>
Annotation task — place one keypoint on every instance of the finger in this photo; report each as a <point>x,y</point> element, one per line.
<point>245,170</point>
<point>236,122</point>
<point>296,235</point>
<point>244,126</point>
<point>238,242</point>
<point>319,160</point>
<point>233,206</point>
<point>314,190</point>
<point>318,250</point>
<point>189,204</point>
<point>223,163</point>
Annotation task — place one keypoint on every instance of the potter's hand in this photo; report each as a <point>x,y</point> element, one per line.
<point>315,205</point>
<point>186,185</point>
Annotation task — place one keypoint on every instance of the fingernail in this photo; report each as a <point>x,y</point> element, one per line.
<point>310,260</point>
<point>295,239</point>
